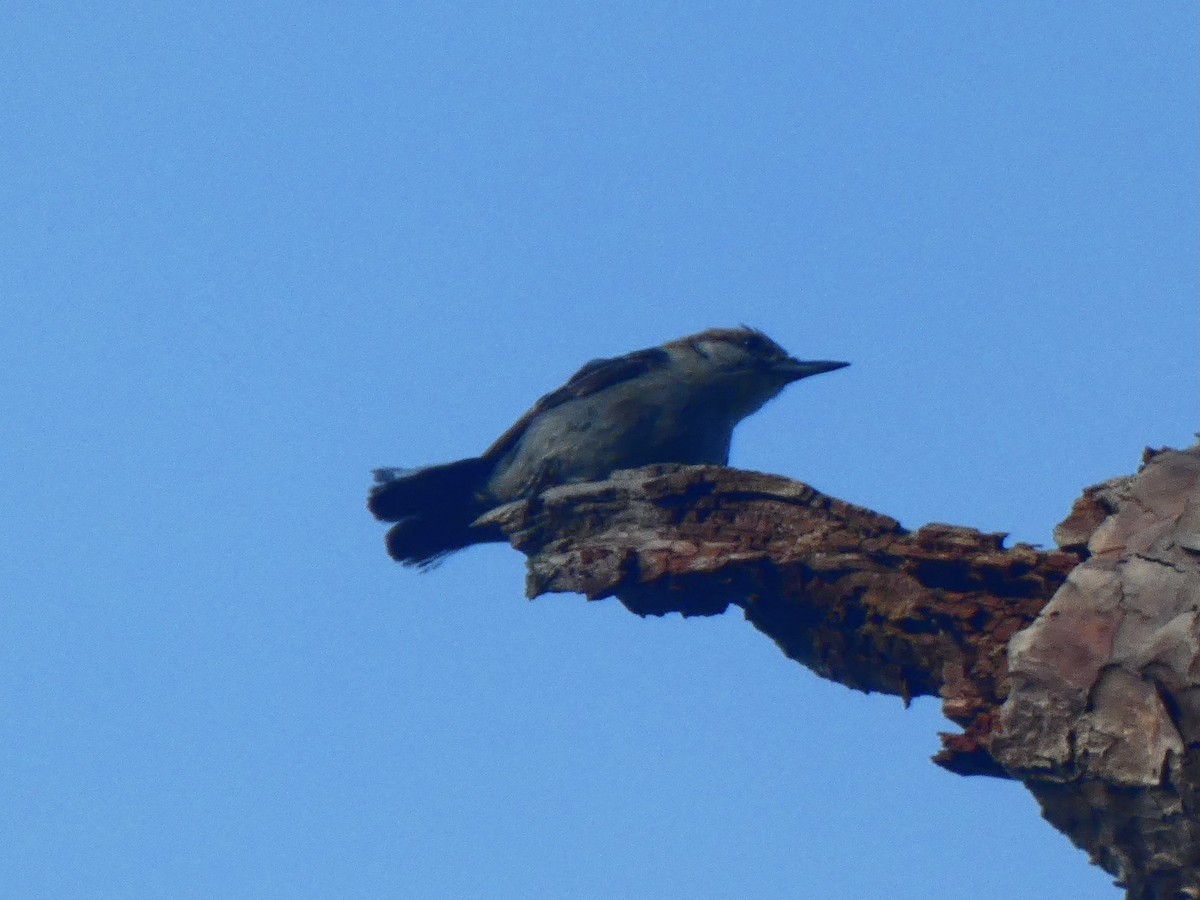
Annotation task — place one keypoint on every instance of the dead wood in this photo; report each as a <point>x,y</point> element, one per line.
<point>1074,670</point>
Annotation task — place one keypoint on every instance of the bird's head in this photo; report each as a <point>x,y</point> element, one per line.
<point>747,350</point>
<point>743,364</point>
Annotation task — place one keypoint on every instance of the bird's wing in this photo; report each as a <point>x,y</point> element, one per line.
<point>593,378</point>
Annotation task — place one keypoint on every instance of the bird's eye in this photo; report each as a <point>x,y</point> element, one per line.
<point>753,343</point>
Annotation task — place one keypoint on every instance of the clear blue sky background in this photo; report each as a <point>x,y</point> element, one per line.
<point>252,250</point>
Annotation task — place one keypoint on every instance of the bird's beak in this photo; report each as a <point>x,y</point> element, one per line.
<point>795,369</point>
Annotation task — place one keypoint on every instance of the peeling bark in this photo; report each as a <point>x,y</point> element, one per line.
<point>1075,670</point>
<point>1102,721</point>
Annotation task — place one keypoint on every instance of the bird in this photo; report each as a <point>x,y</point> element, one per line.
<point>675,403</point>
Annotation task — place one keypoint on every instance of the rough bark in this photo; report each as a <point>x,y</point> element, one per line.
<point>1075,670</point>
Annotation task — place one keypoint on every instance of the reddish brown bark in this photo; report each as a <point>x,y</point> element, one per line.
<point>1092,699</point>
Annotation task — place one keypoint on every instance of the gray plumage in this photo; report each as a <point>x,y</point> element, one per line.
<point>677,403</point>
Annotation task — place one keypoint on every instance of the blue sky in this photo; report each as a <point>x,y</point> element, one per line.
<point>252,251</point>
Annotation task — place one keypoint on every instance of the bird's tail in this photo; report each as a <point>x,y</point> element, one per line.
<point>433,509</point>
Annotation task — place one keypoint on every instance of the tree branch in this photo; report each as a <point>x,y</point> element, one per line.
<point>1092,698</point>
